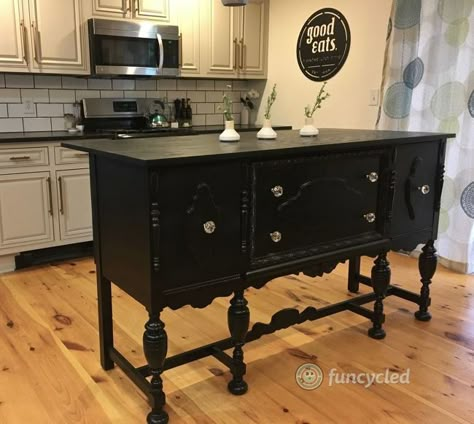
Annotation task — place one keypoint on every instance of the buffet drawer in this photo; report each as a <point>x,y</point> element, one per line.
<point>64,156</point>
<point>308,205</point>
<point>22,157</point>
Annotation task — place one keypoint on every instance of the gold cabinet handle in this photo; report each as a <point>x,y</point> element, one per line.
<point>20,158</point>
<point>180,47</point>
<point>50,196</point>
<point>36,42</point>
<point>236,53</point>
<point>81,155</point>
<point>61,204</point>
<point>24,33</point>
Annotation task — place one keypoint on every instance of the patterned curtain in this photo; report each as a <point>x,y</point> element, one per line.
<point>428,85</point>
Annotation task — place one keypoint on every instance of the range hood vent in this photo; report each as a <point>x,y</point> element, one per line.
<point>234,2</point>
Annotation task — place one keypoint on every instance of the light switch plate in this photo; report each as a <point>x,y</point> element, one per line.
<point>28,107</point>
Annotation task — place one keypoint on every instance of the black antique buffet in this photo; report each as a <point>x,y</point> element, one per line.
<point>182,221</point>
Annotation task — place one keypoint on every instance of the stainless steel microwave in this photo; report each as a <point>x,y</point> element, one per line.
<point>130,48</point>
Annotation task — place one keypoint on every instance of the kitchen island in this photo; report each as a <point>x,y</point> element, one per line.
<point>182,223</point>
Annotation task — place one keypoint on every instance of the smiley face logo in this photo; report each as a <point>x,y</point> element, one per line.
<point>309,376</point>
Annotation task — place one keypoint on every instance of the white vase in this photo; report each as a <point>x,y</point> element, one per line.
<point>267,132</point>
<point>309,130</point>
<point>245,116</point>
<point>229,134</point>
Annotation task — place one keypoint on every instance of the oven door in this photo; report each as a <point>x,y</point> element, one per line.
<point>123,48</point>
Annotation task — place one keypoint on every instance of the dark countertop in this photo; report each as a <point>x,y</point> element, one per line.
<point>64,135</point>
<point>189,149</point>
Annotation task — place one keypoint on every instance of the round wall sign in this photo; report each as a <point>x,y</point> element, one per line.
<point>323,44</point>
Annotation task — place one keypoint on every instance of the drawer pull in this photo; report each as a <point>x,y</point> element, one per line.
<point>20,158</point>
<point>277,191</point>
<point>209,227</point>
<point>370,217</point>
<point>425,189</point>
<point>373,177</point>
<point>275,236</point>
<point>50,192</point>
<point>81,155</point>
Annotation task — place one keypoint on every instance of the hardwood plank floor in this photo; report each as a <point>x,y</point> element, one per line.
<point>50,370</point>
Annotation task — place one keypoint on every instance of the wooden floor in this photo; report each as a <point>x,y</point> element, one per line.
<point>50,371</point>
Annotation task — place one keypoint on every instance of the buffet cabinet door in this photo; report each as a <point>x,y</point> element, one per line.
<point>302,207</point>
<point>200,233</point>
<point>417,187</point>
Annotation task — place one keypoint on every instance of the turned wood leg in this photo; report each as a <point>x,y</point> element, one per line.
<point>238,320</point>
<point>353,277</point>
<point>380,281</point>
<point>155,346</point>
<point>427,266</point>
<point>106,334</point>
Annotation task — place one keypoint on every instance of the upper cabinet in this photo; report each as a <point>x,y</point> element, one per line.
<point>155,10</point>
<point>43,36</point>
<point>234,39</point>
<point>188,13</point>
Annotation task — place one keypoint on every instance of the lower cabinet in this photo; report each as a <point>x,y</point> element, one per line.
<point>75,217</point>
<point>26,215</point>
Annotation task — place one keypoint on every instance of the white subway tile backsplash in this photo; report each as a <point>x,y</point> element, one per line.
<point>146,84</point>
<point>48,81</point>
<point>10,95</point>
<point>99,84</point>
<point>11,125</point>
<point>18,110</point>
<point>205,85</point>
<point>133,94</point>
<point>19,81</point>
<point>87,94</point>
<point>156,95</point>
<point>214,96</point>
<point>216,119</point>
<point>199,120</point>
<point>223,85</point>
<point>69,108</point>
<point>196,96</point>
<point>205,108</point>
<point>186,84</point>
<point>234,96</point>
<point>74,83</point>
<point>240,85</point>
<point>123,84</point>
<point>111,94</point>
<point>37,124</point>
<point>58,124</point>
<point>49,110</point>
<point>36,95</point>
<point>172,95</point>
<point>62,96</point>
<point>3,111</point>
<point>166,84</point>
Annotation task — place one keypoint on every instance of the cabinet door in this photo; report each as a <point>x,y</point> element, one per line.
<point>220,35</point>
<point>57,35</point>
<point>112,8</point>
<point>253,39</point>
<point>152,9</point>
<point>13,53</point>
<point>188,21</point>
<point>75,217</point>
<point>25,210</point>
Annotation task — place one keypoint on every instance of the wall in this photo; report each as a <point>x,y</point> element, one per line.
<point>54,95</point>
<point>348,105</point>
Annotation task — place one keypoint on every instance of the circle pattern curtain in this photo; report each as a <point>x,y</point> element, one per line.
<point>428,85</point>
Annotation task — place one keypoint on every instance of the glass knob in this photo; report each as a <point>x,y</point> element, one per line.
<point>425,189</point>
<point>373,177</point>
<point>275,236</point>
<point>370,217</point>
<point>209,227</point>
<point>277,191</point>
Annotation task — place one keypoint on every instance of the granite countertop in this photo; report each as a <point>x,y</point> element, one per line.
<point>66,136</point>
<point>154,151</point>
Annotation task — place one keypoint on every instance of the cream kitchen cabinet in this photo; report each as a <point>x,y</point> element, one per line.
<point>190,38</point>
<point>155,10</point>
<point>43,36</point>
<point>44,198</point>
<point>74,195</point>
<point>25,210</point>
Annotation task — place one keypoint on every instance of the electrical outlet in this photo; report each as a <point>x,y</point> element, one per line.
<point>28,107</point>
<point>374,97</point>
